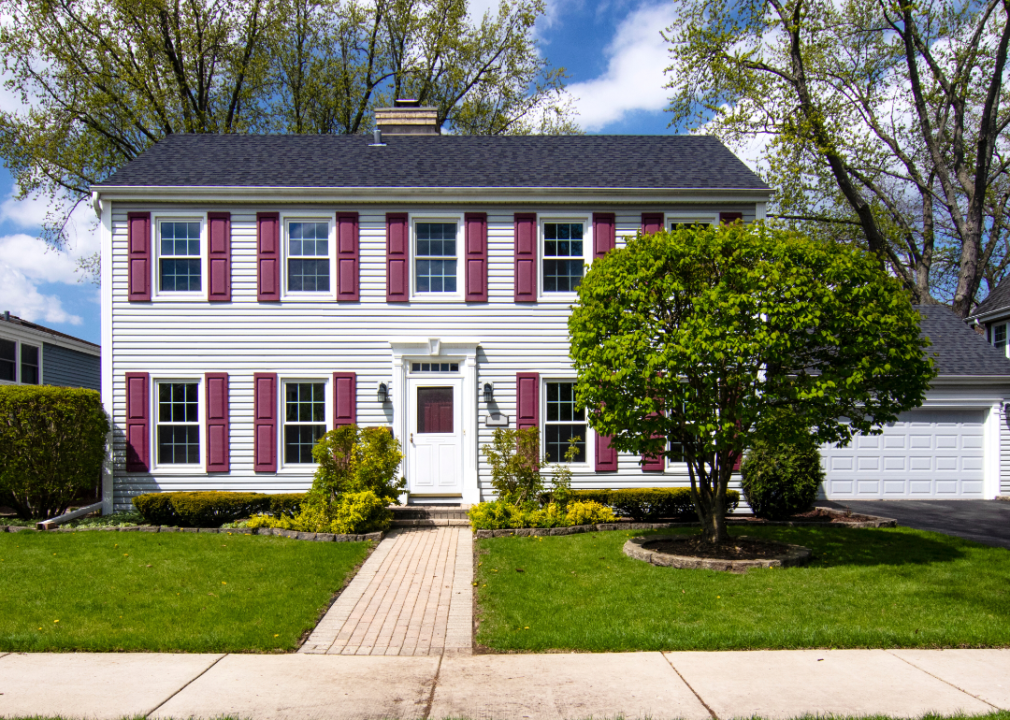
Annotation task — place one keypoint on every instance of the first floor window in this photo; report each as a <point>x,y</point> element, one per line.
<point>309,257</point>
<point>565,422</point>
<point>304,419</point>
<point>436,258</point>
<point>677,453</point>
<point>29,364</point>
<point>563,265</point>
<point>179,256</point>
<point>178,425</point>
<point>8,360</point>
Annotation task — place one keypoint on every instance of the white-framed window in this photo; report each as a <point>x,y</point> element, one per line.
<point>181,258</point>
<point>303,414</point>
<point>309,257</point>
<point>563,420</point>
<point>677,220</point>
<point>999,336</point>
<point>177,426</point>
<point>565,245</point>
<point>436,273</point>
<point>20,362</point>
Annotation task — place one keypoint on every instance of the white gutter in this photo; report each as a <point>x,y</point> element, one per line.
<point>971,380</point>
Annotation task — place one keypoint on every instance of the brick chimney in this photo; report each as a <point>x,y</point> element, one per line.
<point>407,117</point>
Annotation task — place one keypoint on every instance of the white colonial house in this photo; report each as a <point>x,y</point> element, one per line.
<point>258,291</point>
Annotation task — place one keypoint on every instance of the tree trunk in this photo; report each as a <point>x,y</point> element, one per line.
<point>713,528</point>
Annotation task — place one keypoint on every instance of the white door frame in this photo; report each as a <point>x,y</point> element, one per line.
<point>454,382</point>
<point>463,351</point>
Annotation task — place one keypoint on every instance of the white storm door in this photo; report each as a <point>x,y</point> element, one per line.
<point>435,441</point>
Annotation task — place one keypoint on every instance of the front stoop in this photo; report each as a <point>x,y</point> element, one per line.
<point>430,516</point>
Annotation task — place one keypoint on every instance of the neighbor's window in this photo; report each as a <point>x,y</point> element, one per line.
<point>304,419</point>
<point>564,421</point>
<point>999,335</point>
<point>29,364</point>
<point>308,257</point>
<point>435,266</point>
<point>179,256</point>
<point>178,424</point>
<point>563,264</point>
<point>8,360</point>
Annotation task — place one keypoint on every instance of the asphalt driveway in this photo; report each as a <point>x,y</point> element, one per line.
<point>984,521</point>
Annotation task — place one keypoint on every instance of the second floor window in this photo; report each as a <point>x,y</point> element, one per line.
<point>436,258</point>
<point>564,422</point>
<point>563,257</point>
<point>29,364</point>
<point>999,336</point>
<point>304,419</point>
<point>179,256</point>
<point>308,257</point>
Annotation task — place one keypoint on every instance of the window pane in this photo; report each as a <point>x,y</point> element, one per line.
<point>677,452</point>
<point>178,444</point>
<point>180,238</point>
<point>309,275</point>
<point>178,403</point>
<point>999,335</point>
<point>8,360</point>
<point>308,239</point>
<point>299,441</point>
<point>562,275</point>
<point>434,410</point>
<point>29,365</point>
<point>180,275</point>
<point>561,405</point>
<point>557,441</point>
<point>436,276</point>
<point>305,402</point>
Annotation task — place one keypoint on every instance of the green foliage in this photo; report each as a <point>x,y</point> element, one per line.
<point>651,504</point>
<point>692,336</point>
<point>501,514</point>
<point>781,479</point>
<point>202,509</point>
<point>286,504</point>
<point>52,445</point>
<point>588,513</point>
<point>514,457</point>
<point>353,459</point>
<point>353,514</point>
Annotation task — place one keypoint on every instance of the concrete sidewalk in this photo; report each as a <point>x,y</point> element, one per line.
<point>690,685</point>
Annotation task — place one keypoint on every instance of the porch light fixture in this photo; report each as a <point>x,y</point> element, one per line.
<point>488,392</point>
<point>383,393</point>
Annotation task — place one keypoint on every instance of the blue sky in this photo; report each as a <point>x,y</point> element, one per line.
<point>614,57</point>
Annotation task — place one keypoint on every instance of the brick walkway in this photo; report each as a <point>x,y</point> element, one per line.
<point>413,596</point>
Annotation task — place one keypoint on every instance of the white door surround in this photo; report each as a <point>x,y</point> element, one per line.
<point>403,396</point>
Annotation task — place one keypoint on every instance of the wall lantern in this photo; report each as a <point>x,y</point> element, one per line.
<point>383,393</point>
<point>488,392</point>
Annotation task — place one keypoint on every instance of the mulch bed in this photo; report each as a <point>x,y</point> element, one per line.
<point>738,548</point>
<point>817,515</point>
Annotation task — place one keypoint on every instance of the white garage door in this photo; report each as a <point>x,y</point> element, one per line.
<point>926,454</point>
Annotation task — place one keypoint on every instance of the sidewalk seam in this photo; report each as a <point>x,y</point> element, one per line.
<point>434,685</point>
<point>946,682</point>
<point>695,692</point>
<point>191,681</point>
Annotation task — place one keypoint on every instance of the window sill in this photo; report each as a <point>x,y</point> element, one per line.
<point>164,296</point>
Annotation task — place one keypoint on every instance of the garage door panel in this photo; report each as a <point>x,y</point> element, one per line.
<point>927,453</point>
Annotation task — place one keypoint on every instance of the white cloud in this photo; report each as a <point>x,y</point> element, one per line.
<point>634,77</point>
<point>29,256</point>
<point>22,297</point>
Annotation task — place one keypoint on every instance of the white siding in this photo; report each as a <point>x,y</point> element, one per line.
<point>315,339</point>
<point>1004,457</point>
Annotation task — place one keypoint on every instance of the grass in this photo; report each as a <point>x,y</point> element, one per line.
<point>110,591</point>
<point>865,588</point>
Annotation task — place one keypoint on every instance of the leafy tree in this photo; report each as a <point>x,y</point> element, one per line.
<point>693,336</point>
<point>885,123</point>
<point>102,81</point>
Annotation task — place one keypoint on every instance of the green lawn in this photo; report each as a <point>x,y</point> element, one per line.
<point>865,588</point>
<point>108,591</point>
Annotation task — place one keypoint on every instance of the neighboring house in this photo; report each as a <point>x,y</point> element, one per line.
<point>260,290</point>
<point>957,445</point>
<point>31,354</point>
<point>993,316</point>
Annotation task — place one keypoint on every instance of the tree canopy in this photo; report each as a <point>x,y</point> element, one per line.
<point>885,123</point>
<point>102,80</point>
<point>693,336</point>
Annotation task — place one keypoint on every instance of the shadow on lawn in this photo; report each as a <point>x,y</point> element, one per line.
<point>836,547</point>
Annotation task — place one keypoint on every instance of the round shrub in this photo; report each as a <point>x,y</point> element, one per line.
<point>781,479</point>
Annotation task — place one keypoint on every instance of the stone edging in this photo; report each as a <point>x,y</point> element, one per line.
<point>293,534</point>
<point>796,556</point>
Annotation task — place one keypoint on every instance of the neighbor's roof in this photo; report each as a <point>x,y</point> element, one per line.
<point>998,299</point>
<point>15,320</point>
<point>957,349</point>
<point>438,161</point>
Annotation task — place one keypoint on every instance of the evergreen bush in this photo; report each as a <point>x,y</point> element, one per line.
<point>202,508</point>
<point>780,479</point>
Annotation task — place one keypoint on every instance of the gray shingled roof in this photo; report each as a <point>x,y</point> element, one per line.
<point>998,299</point>
<point>957,349</point>
<point>346,161</point>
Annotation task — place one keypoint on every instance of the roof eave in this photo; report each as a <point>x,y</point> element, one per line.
<point>971,379</point>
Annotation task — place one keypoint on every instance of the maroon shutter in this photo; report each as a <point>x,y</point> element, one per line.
<point>265,422</point>
<point>397,258</point>
<point>604,234</point>
<point>728,218</point>
<point>138,241</point>
<point>527,400</point>
<point>475,256</point>
<point>653,463</point>
<point>606,456</point>
<point>738,462</point>
<point>347,256</point>
<point>268,256</point>
<point>652,222</point>
<point>525,257</point>
<point>345,399</point>
<point>138,434</point>
<point>218,455</point>
<point>219,257</point>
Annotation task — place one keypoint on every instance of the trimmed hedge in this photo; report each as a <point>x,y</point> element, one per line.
<point>212,509</point>
<point>650,504</point>
<point>781,479</point>
<point>52,445</point>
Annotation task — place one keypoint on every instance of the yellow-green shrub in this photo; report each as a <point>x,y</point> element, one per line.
<point>500,514</point>
<point>352,514</point>
<point>588,513</point>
